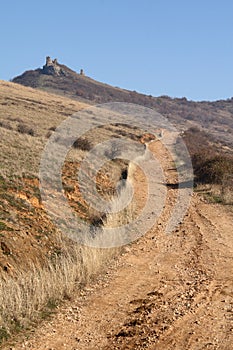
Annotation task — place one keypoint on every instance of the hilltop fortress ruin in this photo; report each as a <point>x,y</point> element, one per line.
<point>52,67</point>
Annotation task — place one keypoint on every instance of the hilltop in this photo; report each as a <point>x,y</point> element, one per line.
<point>216,118</point>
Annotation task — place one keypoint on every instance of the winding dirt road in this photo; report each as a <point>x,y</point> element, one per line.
<point>165,291</point>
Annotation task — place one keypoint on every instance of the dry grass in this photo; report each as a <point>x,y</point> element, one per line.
<point>23,108</point>
<point>227,189</point>
<point>25,297</point>
<point>29,296</point>
<point>32,295</point>
<point>26,109</point>
<point>213,193</point>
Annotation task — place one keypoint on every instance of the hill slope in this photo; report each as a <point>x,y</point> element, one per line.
<point>26,117</point>
<point>214,117</point>
<point>36,258</point>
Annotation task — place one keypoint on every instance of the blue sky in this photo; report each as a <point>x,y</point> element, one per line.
<point>176,48</point>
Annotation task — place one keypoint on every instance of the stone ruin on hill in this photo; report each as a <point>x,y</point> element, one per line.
<point>52,67</point>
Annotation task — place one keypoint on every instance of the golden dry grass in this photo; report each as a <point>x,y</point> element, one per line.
<point>35,110</point>
<point>28,296</point>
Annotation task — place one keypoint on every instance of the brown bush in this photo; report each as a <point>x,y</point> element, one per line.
<point>211,164</point>
<point>83,144</point>
<point>24,129</point>
<point>212,170</point>
<point>5,125</point>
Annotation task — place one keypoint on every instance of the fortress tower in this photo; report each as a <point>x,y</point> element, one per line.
<point>52,67</point>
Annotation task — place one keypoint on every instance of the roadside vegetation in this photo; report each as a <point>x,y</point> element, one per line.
<point>212,165</point>
<point>32,295</point>
<point>31,292</point>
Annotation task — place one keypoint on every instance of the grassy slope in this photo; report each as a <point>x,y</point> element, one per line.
<point>25,226</point>
<point>36,110</point>
<point>39,266</point>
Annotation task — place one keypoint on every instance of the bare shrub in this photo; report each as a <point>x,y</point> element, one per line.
<point>227,189</point>
<point>211,165</point>
<point>212,169</point>
<point>5,125</point>
<point>24,129</point>
<point>83,144</point>
<point>49,133</point>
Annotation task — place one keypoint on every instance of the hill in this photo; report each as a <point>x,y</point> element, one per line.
<point>216,118</point>
<point>28,117</point>
<point>38,265</point>
<point>33,252</point>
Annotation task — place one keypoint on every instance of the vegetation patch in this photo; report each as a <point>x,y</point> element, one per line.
<point>4,227</point>
<point>82,144</point>
<point>24,129</point>
<point>211,164</point>
<point>4,335</point>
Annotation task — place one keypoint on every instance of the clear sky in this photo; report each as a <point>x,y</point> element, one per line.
<point>159,47</point>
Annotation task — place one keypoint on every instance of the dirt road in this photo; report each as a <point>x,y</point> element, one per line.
<point>165,292</point>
